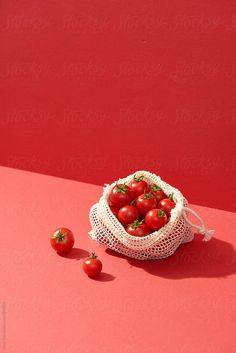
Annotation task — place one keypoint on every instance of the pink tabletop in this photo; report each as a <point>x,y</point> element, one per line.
<point>182,304</point>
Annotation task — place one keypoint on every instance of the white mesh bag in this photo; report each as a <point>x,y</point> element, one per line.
<point>107,230</point>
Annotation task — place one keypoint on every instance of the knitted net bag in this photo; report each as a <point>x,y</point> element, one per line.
<point>107,230</point>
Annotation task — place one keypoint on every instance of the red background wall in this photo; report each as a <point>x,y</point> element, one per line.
<point>93,90</point>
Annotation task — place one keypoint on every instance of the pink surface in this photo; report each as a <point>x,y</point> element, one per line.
<point>183,304</point>
<point>94,90</point>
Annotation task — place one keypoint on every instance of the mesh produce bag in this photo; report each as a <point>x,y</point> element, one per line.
<point>107,230</point>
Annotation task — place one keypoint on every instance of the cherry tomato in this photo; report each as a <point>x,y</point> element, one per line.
<point>62,240</point>
<point>158,192</point>
<point>167,204</point>
<point>139,186</point>
<point>121,195</point>
<point>156,219</point>
<point>114,210</point>
<point>92,266</point>
<point>145,203</point>
<point>128,214</point>
<point>138,229</point>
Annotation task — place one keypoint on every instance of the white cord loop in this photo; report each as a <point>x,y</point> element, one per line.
<point>201,229</point>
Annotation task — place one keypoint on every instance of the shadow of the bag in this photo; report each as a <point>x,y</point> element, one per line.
<point>215,258</point>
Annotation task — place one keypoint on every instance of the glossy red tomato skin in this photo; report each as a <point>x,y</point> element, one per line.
<point>141,231</point>
<point>144,204</point>
<point>92,266</point>
<point>128,214</point>
<point>158,193</point>
<point>62,240</point>
<point>114,210</point>
<point>167,205</point>
<point>120,198</point>
<point>155,219</point>
<point>139,187</point>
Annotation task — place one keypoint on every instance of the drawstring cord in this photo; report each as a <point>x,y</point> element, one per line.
<point>202,228</point>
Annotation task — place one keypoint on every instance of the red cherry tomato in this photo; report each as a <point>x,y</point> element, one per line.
<point>156,219</point>
<point>92,266</point>
<point>121,195</point>
<point>114,210</point>
<point>139,186</point>
<point>167,204</point>
<point>62,240</point>
<point>138,229</point>
<point>158,192</point>
<point>145,203</point>
<point>128,214</point>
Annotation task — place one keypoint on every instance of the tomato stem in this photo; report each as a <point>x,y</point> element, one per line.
<point>136,223</point>
<point>121,188</point>
<point>171,196</point>
<point>60,236</point>
<point>161,213</point>
<point>140,178</point>
<point>148,196</point>
<point>93,255</point>
<point>156,187</point>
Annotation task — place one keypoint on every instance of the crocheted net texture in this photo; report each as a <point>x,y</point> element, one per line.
<point>107,230</point>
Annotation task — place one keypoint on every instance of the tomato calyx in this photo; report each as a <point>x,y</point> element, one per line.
<point>60,236</point>
<point>140,178</point>
<point>93,255</point>
<point>121,188</point>
<point>156,188</point>
<point>136,224</point>
<point>170,197</point>
<point>148,196</point>
<point>161,213</point>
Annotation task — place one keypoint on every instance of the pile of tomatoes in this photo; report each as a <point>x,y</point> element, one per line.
<point>140,207</point>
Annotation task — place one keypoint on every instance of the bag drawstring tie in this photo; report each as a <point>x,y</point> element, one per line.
<point>202,228</point>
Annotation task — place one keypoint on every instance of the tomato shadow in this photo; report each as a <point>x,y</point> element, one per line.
<point>76,254</point>
<point>103,277</point>
<point>216,258</point>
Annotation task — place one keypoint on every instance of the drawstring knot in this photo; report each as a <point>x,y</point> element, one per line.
<point>202,228</point>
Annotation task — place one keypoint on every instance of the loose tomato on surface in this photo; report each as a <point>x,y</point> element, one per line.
<point>138,229</point>
<point>139,186</point>
<point>62,240</point>
<point>121,195</point>
<point>158,192</point>
<point>155,219</point>
<point>145,203</point>
<point>128,214</point>
<point>92,266</point>
<point>167,204</point>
